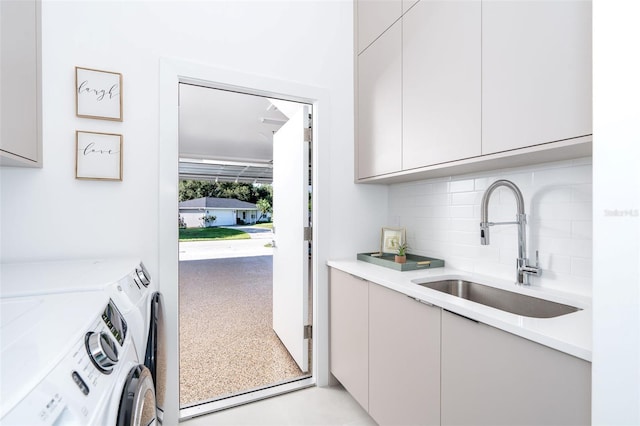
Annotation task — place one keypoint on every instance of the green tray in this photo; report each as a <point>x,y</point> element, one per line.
<point>414,261</point>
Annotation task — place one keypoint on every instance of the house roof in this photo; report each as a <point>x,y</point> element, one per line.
<point>217,203</point>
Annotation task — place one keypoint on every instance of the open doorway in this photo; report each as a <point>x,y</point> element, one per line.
<point>244,304</point>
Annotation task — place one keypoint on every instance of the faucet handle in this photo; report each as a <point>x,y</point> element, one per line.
<point>532,270</point>
<point>484,233</point>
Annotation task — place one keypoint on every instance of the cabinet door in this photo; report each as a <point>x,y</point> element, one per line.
<point>491,377</point>
<point>379,106</point>
<point>19,83</point>
<point>348,334</point>
<point>404,359</point>
<point>407,4</point>
<point>536,72</point>
<point>374,17</point>
<point>441,82</point>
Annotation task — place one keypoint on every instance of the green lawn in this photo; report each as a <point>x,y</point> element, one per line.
<point>208,234</point>
<point>264,225</point>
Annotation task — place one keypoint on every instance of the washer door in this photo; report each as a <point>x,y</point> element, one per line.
<point>138,402</point>
<point>156,358</point>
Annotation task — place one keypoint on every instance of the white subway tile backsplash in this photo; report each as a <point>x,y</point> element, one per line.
<point>434,211</point>
<point>551,195</point>
<point>556,262</point>
<point>581,248</point>
<point>582,193</point>
<point>563,176</point>
<point>461,185</point>
<point>442,218</point>
<point>466,198</point>
<point>470,238</point>
<point>551,245</point>
<point>581,267</point>
<point>432,199</point>
<point>582,229</point>
<point>560,211</point>
<point>461,211</point>
<point>550,228</point>
<point>581,211</point>
<point>468,225</point>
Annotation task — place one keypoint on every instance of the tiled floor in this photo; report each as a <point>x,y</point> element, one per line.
<point>312,406</point>
<point>227,343</point>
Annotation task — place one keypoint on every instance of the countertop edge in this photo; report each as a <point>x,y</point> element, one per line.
<point>569,333</point>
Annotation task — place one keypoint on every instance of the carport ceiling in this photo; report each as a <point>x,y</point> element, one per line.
<point>193,169</point>
<point>228,136</point>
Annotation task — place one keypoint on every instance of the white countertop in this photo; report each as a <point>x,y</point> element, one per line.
<point>570,333</point>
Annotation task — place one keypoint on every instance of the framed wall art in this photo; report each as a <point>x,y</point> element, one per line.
<point>391,239</point>
<point>98,94</point>
<point>98,156</point>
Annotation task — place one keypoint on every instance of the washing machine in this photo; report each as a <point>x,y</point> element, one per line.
<point>134,319</point>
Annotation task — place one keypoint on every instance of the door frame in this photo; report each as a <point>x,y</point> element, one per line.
<point>171,73</point>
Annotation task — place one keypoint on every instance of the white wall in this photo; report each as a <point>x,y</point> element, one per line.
<point>47,214</point>
<point>616,257</point>
<point>442,217</point>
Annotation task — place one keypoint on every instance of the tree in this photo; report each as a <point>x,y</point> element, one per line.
<point>252,193</point>
<point>264,206</point>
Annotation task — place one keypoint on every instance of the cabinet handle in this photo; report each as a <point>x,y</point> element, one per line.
<point>420,301</point>
<point>360,278</point>
<point>462,316</point>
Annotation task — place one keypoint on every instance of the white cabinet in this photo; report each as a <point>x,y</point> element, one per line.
<point>407,362</point>
<point>536,72</point>
<point>349,334</point>
<point>374,17</point>
<point>454,87</point>
<point>385,350</point>
<point>407,4</point>
<point>379,106</point>
<point>20,117</point>
<point>404,359</point>
<point>491,377</point>
<point>441,65</point>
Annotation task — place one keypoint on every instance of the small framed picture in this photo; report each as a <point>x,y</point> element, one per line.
<point>98,156</point>
<point>98,94</point>
<point>391,239</point>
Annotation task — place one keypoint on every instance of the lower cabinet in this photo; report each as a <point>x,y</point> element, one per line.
<point>410,363</point>
<point>349,334</point>
<point>491,377</point>
<point>385,350</point>
<point>404,359</point>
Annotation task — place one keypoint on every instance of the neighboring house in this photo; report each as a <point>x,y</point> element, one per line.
<point>227,211</point>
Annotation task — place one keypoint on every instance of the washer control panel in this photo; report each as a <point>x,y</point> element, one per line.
<point>76,386</point>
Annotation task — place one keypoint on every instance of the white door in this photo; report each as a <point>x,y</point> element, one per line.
<point>290,251</point>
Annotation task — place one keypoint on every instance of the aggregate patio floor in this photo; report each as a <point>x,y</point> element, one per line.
<point>227,344</point>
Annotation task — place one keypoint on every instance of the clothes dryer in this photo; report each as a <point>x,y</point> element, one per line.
<point>126,282</point>
<point>68,358</point>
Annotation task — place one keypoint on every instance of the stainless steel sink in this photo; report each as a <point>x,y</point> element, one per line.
<point>504,300</point>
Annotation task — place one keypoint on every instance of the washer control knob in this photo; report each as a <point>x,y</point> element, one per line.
<point>144,278</point>
<point>102,351</point>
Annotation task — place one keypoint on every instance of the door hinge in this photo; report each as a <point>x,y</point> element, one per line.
<point>308,132</point>
<point>308,331</point>
<point>308,233</point>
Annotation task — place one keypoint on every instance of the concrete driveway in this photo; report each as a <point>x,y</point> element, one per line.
<point>199,250</point>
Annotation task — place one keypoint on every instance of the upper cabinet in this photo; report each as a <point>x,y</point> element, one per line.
<point>536,73</point>
<point>480,85</point>
<point>379,102</point>
<point>20,106</point>
<point>374,17</point>
<point>440,82</point>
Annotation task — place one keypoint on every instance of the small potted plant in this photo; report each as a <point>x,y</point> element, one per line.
<point>401,257</point>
